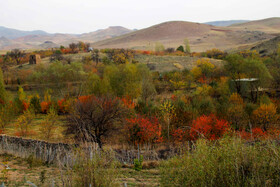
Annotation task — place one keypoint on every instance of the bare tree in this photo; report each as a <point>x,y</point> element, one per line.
<point>73,47</point>
<point>95,119</point>
<point>95,56</point>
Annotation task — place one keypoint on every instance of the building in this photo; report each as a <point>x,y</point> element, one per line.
<point>34,59</point>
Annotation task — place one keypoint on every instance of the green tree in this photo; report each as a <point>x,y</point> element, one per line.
<point>180,48</point>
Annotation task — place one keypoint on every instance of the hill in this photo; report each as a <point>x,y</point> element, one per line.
<point>103,34</point>
<point>225,23</point>
<point>14,33</point>
<point>172,34</point>
<point>38,40</point>
<point>270,25</point>
<point>268,47</point>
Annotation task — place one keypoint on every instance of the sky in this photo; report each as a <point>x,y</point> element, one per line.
<point>81,16</point>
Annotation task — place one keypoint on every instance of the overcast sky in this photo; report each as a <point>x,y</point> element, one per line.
<point>80,16</point>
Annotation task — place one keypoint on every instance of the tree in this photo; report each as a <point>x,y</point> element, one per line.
<point>49,125</point>
<point>187,46</point>
<point>168,112</point>
<point>159,47</point>
<point>73,47</point>
<point>17,55</point>
<point>239,67</point>
<point>265,116</point>
<point>95,119</point>
<point>180,48</point>
<point>3,93</point>
<point>24,122</point>
<point>95,56</point>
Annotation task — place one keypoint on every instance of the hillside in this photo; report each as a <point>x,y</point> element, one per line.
<point>14,33</point>
<point>103,34</point>
<point>268,47</point>
<point>172,34</point>
<point>225,23</point>
<point>270,25</point>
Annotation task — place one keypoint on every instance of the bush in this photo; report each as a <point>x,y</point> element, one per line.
<point>229,162</point>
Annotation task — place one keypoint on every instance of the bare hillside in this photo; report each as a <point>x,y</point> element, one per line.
<point>270,25</point>
<point>172,34</point>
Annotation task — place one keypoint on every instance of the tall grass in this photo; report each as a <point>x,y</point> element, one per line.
<point>227,162</point>
<point>96,169</point>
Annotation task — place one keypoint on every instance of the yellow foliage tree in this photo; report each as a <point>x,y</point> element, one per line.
<point>265,115</point>
<point>24,122</point>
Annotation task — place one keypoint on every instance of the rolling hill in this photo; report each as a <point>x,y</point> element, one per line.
<point>38,41</point>
<point>270,25</point>
<point>172,34</point>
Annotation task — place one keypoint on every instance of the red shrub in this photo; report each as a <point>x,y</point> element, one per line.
<point>257,133</point>
<point>143,130</point>
<point>209,127</point>
<point>85,98</point>
<point>179,135</point>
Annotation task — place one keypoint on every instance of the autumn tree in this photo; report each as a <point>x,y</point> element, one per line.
<point>96,119</point>
<point>17,55</point>
<point>265,116</point>
<point>49,125</point>
<point>73,47</point>
<point>168,113</point>
<point>24,122</point>
<point>236,111</point>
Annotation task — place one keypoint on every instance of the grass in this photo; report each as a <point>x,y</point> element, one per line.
<point>171,63</point>
<point>35,126</point>
<point>21,172</point>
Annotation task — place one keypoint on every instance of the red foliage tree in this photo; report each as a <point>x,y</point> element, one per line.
<point>143,130</point>
<point>209,127</point>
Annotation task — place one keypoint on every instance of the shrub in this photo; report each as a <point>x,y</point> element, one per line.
<point>35,104</point>
<point>209,127</point>
<point>138,163</point>
<point>229,162</point>
<point>143,130</point>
